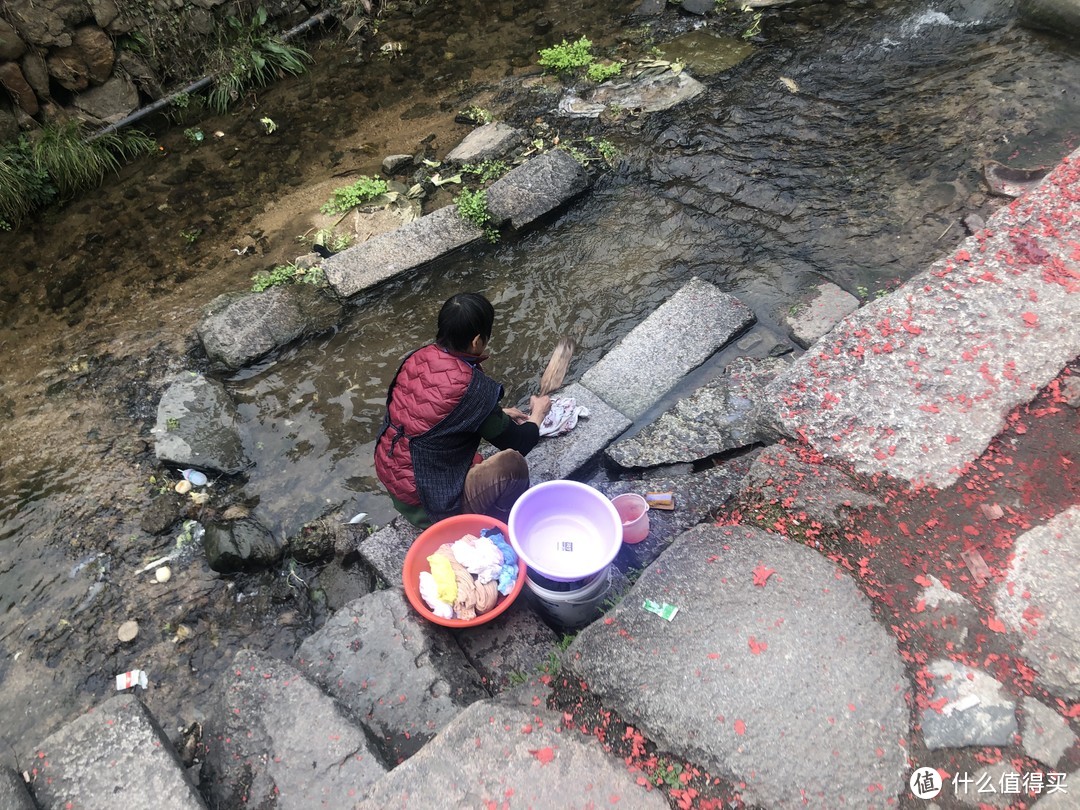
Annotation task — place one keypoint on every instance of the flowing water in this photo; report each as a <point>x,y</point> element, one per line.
<point>845,143</point>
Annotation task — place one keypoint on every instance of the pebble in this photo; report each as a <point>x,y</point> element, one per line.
<point>128,630</point>
<point>163,574</point>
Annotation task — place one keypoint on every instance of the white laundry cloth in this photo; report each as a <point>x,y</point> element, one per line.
<point>563,416</point>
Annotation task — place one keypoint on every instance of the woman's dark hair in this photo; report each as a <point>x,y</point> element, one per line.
<point>463,317</point>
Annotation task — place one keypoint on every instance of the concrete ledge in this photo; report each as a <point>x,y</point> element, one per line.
<point>561,456</point>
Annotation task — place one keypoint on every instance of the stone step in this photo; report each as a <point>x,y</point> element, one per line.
<point>113,756</point>
<point>675,339</point>
<point>917,384</point>
<point>278,740</point>
<point>797,691</point>
<point>496,754</point>
<point>13,792</point>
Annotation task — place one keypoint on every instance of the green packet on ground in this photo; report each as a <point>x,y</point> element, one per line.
<point>664,611</point>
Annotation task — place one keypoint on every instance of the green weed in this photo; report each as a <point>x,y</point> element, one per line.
<point>487,171</point>
<point>472,207</point>
<point>597,72</point>
<point>285,274</point>
<point>476,115</point>
<point>348,197</point>
<point>567,56</point>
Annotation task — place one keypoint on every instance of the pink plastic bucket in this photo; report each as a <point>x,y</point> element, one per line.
<point>565,530</point>
<point>634,513</point>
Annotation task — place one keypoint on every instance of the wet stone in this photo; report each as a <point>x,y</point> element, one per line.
<point>392,164</point>
<point>820,491</point>
<point>384,552</point>
<point>1070,392</point>
<point>719,416</point>
<point>976,711</point>
<point>536,188</point>
<point>1064,798</point>
<point>488,142</point>
<point>990,787</point>
<point>650,8</point>
<point>675,339</point>
<point>699,7</point>
<point>495,750</point>
<point>278,740</point>
<point>560,456</point>
<point>197,426</point>
<point>946,614</point>
<point>241,545</point>
<point>13,792</point>
<point>774,670</point>
<point>115,755</point>
<point>510,646</point>
<point>239,328</point>
<point>646,92</point>
<point>818,311</point>
<point>402,677</point>
<point>160,515</point>
<point>1043,568</point>
<point>342,583</point>
<point>1047,735</point>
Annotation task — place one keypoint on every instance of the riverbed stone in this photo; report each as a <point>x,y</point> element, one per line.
<point>36,73</point>
<point>240,327</point>
<point>817,311</point>
<point>11,44</point>
<point>1047,735</point>
<point>406,248</point>
<point>675,339</point>
<point>277,740</point>
<point>650,8</point>
<point>110,102</point>
<point>497,754</point>
<point>1039,598</point>
<point>197,426</point>
<point>561,456</point>
<point>510,646</point>
<point>985,790</point>
<point>115,755</point>
<point>241,545</point>
<point>644,92</point>
<point>12,80</point>
<point>720,416</point>
<point>536,188</point>
<point>916,384</point>
<point>384,551</point>
<point>488,142</point>
<point>1062,796</point>
<point>97,52</point>
<point>808,491</point>
<point>13,792</point>
<point>699,7</point>
<point>402,677</point>
<point>392,164</point>
<point>976,709</point>
<point>1061,17</point>
<point>946,614</point>
<point>798,691</point>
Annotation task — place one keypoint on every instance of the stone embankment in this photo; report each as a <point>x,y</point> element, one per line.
<point>802,669</point>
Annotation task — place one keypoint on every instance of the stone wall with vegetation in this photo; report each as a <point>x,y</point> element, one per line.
<point>98,60</point>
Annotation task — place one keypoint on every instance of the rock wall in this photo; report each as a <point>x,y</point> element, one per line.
<point>101,59</point>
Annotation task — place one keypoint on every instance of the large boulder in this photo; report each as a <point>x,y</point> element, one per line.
<point>110,102</point>
<point>488,142</point>
<point>197,426</point>
<point>98,53</point>
<point>242,545</point>
<point>11,44</point>
<point>536,188</point>
<point>1061,17</point>
<point>239,328</point>
<point>13,80</point>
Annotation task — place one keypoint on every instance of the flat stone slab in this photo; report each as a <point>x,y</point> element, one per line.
<point>719,416</point>
<point>807,491</point>
<point>113,756</point>
<point>197,426</point>
<point>13,792</point>
<point>644,91</point>
<point>1063,797</point>
<point>560,456</point>
<point>496,754</point>
<point>509,647</point>
<point>946,614</point>
<point>239,328</point>
<point>916,384</point>
<point>414,244</point>
<point>278,740</point>
<point>824,306</point>
<point>384,552</point>
<point>968,707</point>
<point>675,339</point>
<point>489,141</point>
<point>536,188</point>
<point>797,691</point>
<point>1043,601</point>
<point>1047,735</point>
<point>402,677</point>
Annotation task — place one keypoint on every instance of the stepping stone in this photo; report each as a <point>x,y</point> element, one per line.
<point>399,675</point>
<point>967,707</point>
<point>115,755</point>
<point>674,340</point>
<point>536,188</point>
<point>414,244</point>
<point>561,456</point>
<point>916,384</point>
<point>791,686</point>
<point>1043,604</point>
<point>508,647</point>
<point>822,307</point>
<point>1047,735</point>
<point>1061,797</point>
<point>501,755</point>
<point>946,614</point>
<point>490,141</point>
<point>278,740</point>
<point>384,552</point>
<point>998,785</point>
<point>197,426</point>
<point>719,416</point>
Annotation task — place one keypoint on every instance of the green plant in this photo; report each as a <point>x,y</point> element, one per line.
<point>517,678</point>
<point>286,274</point>
<point>598,72</point>
<point>472,207</point>
<point>487,171</point>
<point>575,152</point>
<point>191,235</point>
<point>194,135</point>
<point>249,56</point>
<point>268,124</point>
<point>348,197</point>
<point>567,56</point>
<point>566,640</point>
<point>327,238</point>
<point>755,25</point>
<point>667,773</point>
<point>551,666</point>
<point>172,423</point>
<point>607,150</point>
<point>476,115</point>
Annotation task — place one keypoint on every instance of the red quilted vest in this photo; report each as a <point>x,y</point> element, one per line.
<point>428,386</point>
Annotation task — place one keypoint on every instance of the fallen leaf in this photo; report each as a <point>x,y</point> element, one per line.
<point>740,727</point>
<point>545,755</point>
<point>762,574</point>
<point>995,625</point>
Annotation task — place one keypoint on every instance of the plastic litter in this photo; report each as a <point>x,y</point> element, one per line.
<point>163,574</point>
<point>359,516</point>
<point>127,680</point>
<point>664,611</point>
<point>661,500</point>
<point>196,478</point>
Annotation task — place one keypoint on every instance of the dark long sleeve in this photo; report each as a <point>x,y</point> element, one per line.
<point>506,434</point>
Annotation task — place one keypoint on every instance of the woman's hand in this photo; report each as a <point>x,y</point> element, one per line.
<point>519,416</point>
<point>538,409</point>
